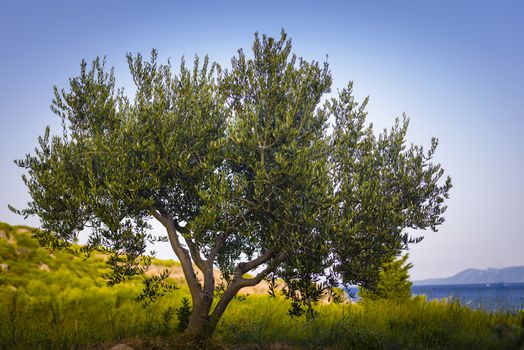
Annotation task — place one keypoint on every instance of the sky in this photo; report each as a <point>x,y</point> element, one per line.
<point>456,68</point>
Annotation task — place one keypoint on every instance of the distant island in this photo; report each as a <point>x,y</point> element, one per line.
<point>513,274</point>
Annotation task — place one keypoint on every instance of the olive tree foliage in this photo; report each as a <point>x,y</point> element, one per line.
<point>247,168</point>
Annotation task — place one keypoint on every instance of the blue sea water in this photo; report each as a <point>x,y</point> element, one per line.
<point>490,297</point>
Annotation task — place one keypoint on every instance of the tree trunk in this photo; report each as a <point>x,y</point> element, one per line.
<point>202,323</point>
<point>200,328</point>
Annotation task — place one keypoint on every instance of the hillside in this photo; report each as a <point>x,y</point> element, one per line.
<point>21,255</point>
<point>23,262</point>
<point>513,274</point>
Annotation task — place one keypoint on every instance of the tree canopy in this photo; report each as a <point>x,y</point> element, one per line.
<point>253,168</point>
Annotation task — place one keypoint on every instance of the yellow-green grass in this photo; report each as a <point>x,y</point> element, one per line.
<point>58,300</point>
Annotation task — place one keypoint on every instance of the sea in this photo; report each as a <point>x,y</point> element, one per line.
<point>501,297</point>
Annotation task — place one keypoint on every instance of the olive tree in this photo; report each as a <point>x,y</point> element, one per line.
<point>250,169</point>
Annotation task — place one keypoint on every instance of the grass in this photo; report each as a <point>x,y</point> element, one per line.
<point>375,325</point>
<point>58,300</point>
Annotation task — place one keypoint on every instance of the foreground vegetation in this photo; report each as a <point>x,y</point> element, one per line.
<point>58,300</point>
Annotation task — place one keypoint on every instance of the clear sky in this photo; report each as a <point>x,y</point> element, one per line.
<point>456,68</point>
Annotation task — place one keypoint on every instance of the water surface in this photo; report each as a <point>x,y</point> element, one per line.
<point>490,296</point>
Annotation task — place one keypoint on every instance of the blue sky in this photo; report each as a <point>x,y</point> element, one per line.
<point>456,68</point>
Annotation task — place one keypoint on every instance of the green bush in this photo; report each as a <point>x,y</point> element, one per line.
<point>394,282</point>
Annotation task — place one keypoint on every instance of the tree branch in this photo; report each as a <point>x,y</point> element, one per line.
<point>249,282</point>
<point>193,249</point>
<point>240,282</point>
<point>183,255</point>
<point>216,248</point>
<point>244,267</point>
<point>206,267</point>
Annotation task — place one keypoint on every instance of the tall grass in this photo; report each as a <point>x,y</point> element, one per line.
<point>416,324</point>
<point>58,300</point>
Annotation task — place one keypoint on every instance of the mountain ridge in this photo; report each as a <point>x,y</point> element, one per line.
<point>512,274</point>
